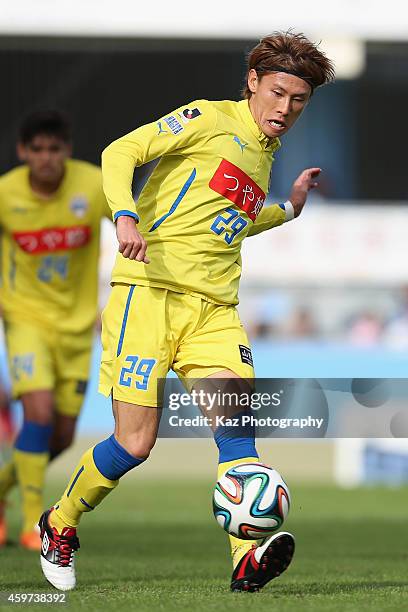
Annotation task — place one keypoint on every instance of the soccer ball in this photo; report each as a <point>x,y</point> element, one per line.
<point>251,501</point>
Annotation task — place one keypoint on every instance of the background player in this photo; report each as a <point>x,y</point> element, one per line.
<point>50,214</point>
<point>6,442</point>
<point>203,198</point>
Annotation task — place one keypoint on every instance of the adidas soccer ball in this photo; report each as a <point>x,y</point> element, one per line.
<point>251,501</point>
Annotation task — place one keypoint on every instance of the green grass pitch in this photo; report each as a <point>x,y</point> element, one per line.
<point>155,546</point>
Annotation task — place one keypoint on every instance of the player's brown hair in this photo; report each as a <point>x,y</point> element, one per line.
<point>291,53</point>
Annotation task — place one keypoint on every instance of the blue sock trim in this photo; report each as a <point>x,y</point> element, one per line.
<point>81,499</point>
<point>33,438</point>
<point>112,460</point>
<point>235,442</point>
<point>79,472</point>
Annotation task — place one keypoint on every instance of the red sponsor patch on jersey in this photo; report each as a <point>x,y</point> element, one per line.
<point>53,239</point>
<point>232,183</point>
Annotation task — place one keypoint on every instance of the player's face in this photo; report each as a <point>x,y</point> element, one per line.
<point>277,101</point>
<point>45,156</point>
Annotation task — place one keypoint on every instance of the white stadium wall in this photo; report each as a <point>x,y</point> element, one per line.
<point>366,19</point>
<point>332,245</point>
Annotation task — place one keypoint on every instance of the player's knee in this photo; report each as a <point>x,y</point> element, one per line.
<point>38,407</point>
<point>42,415</point>
<point>137,444</point>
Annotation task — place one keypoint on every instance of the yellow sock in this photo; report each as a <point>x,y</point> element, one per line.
<point>8,479</point>
<point>30,470</point>
<point>86,489</point>
<point>238,547</point>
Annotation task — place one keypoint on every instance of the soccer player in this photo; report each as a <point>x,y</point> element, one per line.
<point>50,215</point>
<point>176,276</point>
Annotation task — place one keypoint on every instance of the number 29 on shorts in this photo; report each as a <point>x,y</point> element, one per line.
<point>137,372</point>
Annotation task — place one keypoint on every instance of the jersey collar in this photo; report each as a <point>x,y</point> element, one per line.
<point>271,144</point>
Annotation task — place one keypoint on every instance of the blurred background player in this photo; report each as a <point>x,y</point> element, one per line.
<point>6,422</point>
<point>202,200</point>
<point>50,215</point>
<point>6,441</point>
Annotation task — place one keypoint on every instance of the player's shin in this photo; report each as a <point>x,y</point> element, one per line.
<point>235,447</point>
<point>96,475</point>
<point>30,458</point>
<point>8,473</point>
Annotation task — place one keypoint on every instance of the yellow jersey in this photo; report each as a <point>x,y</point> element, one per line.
<point>203,198</point>
<point>50,248</point>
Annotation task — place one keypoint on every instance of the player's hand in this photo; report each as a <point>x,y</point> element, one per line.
<point>300,188</point>
<point>132,245</point>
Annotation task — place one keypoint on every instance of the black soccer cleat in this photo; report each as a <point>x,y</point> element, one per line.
<point>263,563</point>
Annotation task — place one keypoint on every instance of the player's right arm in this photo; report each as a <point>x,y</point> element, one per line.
<point>165,136</point>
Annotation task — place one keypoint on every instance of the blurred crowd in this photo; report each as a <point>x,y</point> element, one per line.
<point>358,317</point>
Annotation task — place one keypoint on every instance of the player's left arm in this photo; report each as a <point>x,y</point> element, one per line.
<point>275,215</point>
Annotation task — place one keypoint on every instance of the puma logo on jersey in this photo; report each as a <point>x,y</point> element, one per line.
<point>241,145</point>
<point>161,130</point>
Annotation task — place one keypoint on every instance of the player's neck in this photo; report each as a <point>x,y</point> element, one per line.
<point>253,110</point>
<point>255,116</point>
<point>45,189</point>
